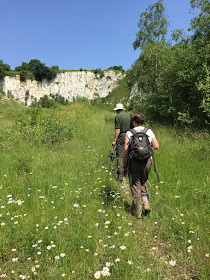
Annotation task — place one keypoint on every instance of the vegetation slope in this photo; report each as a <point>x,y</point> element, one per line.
<point>63,215</point>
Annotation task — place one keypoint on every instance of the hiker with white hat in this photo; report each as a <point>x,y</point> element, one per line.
<point>122,125</point>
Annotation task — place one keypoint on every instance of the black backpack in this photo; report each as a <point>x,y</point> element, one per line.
<point>140,147</point>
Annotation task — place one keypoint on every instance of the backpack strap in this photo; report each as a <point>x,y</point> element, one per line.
<point>143,131</point>
<point>133,131</point>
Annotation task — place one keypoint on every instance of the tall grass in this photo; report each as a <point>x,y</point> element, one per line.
<point>63,215</point>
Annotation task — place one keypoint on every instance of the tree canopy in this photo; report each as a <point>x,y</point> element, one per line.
<point>4,68</point>
<point>37,70</point>
<point>152,26</point>
<point>173,80</point>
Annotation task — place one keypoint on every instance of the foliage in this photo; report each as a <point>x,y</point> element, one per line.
<point>201,23</point>
<point>120,68</point>
<point>2,93</point>
<point>44,102</point>
<point>41,71</point>
<point>152,26</point>
<point>178,35</point>
<point>4,69</point>
<point>37,70</point>
<point>9,110</point>
<point>98,72</point>
<point>50,101</point>
<point>119,95</point>
<point>41,127</point>
<point>173,80</point>
<point>204,89</point>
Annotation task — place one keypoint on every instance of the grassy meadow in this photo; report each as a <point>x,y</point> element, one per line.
<point>64,216</point>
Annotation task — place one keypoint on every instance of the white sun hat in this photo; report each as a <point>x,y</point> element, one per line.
<point>119,106</point>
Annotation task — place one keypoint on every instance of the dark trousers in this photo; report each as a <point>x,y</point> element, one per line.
<point>138,172</point>
<point>119,152</point>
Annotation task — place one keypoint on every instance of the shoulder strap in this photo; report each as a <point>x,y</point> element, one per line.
<point>145,130</point>
<point>133,131</point>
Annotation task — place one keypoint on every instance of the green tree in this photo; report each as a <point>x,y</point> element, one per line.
<point>178,35</point>
<point>55,68</point>
<point>24,67</point>
<point>152,25</point>
<point>120,68</point>
<point>148,74</point>
<point>201,42</point>
<point>173,81</point>
<point>3,69</point>
<point>41,71</point>
<point>201,23</point>
<point>2,72</point>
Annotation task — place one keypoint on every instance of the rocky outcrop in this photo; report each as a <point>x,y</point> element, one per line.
<point>70,85</point>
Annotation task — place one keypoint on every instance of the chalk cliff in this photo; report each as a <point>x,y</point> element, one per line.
<point>69,84</point>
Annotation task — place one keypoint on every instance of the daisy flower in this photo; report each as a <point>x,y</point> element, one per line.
<point>106,269</point>
<point>172,263</point>
<point>97,275</point>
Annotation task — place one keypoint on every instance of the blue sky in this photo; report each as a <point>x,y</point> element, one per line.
<point>76,34</point>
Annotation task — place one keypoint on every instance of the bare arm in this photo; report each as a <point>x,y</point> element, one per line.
<point>155,145</point>
<point>117,132</point>
<point>125,153</point>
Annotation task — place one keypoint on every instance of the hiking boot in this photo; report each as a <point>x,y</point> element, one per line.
<point>138,210</point>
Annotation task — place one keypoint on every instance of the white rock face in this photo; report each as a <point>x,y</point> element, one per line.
<point>70,85</point>
<point>134,91</point>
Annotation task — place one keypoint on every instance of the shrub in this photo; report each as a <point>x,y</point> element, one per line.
<point>37,126</point>
<point>2,93</point>
<point>51,102</point>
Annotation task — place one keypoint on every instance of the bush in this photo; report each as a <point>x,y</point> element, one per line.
<point>40,127</point>
<point>2,93</point>
<point>51,102</point>
<point>119,68</point>
<point>99,72</point>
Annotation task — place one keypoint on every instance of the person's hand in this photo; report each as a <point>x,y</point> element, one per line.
<point>113,143</point>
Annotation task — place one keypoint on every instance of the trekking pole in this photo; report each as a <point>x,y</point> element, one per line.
<point>155,169</point>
